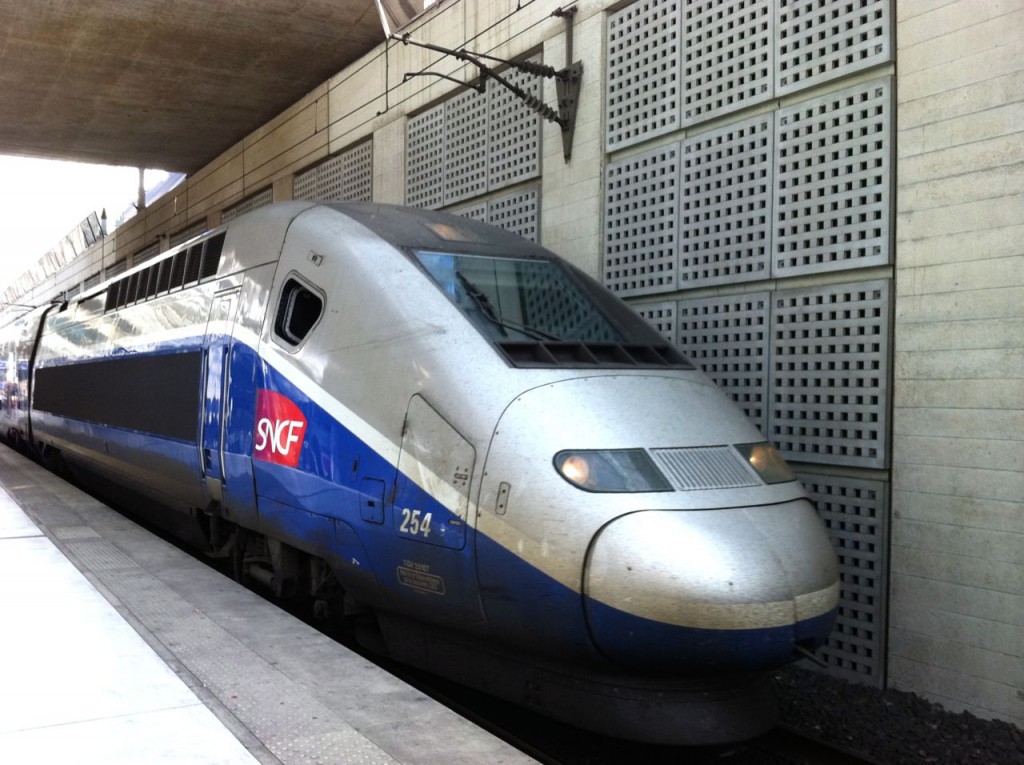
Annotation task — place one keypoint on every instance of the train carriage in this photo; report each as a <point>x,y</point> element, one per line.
<point>416,417</point>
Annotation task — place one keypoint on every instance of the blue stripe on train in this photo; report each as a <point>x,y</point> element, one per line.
<point>645,644</point>
<point>520,601</point>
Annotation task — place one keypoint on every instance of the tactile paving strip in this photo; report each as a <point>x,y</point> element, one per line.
<point>98,555</point>
<point>283,716</point>
<point>74,532</point>
<point>53,515</point>
<point>289,694</point>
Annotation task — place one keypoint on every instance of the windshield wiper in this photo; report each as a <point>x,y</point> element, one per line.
<point>487,309</point>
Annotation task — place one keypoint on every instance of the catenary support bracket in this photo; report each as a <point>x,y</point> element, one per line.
<point>568,81</point>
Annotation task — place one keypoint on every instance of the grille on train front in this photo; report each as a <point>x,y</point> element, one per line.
<point>704,468</point>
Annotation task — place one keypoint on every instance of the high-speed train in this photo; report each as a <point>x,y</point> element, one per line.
<point>451,433</point>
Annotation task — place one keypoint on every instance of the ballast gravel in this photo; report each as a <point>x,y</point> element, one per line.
<point>890,726</point>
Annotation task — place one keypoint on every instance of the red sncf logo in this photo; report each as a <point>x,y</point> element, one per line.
<point>280,429</point>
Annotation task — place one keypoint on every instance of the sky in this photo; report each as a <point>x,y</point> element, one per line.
<point>42,200</point>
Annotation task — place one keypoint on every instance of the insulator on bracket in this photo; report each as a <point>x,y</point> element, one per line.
<point>534,67</point>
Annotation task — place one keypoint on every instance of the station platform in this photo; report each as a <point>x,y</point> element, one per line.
<point>117,647</point>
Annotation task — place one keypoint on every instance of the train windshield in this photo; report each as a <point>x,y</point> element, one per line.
<point>541,311</point>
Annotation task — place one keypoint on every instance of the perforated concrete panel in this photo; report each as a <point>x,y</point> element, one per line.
<point>643,67</point>
<point>255,202</point>
<point>473,211</point>
<point>332,178</point>
<point>513,131</point>
<point>115,268</point>
<point>727,204</point>
<point>728,338</point>
<point>727,56</point>
<point>834,181</point>
<point>855,512</point>
<point>180,237</point>
<point>465,146</point>
<point>661,316</point>
<point>347,176</point>
<point>146,253</point>
<point>518,212</point>
<point>830,371</point>
<point>424,146</point>
<point>304,184</point>
<point>820,40</point>
<point>355,176</point>
<point>641,222</point>
<point>472,144</point>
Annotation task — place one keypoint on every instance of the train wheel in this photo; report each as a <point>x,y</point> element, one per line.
<point>238,549</point>
<point>53,461</point>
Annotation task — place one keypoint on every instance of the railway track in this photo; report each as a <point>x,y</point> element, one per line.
<point>798,747</point>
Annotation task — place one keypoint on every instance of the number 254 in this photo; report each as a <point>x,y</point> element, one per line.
<point>415,522</point>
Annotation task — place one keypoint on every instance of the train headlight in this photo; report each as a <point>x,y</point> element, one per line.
<point>618,470</point>
<point>767,462</point>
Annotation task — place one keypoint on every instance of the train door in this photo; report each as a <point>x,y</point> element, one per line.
<point>430,515</point>
<point>217,345</point>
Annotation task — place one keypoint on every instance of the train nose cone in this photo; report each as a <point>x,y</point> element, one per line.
<point>704,590</point>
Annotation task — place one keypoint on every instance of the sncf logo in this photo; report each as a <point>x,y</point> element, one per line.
<point>280,429</point>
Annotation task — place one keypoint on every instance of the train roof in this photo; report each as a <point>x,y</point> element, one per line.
<point>404,227</point>
<point>419,229</point>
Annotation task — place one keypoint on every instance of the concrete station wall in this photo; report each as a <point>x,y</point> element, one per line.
<point>352,106</point>
<point>957,600</point>
<point>956,609</point>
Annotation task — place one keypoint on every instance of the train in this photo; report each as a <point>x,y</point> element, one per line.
<point>446,434</point>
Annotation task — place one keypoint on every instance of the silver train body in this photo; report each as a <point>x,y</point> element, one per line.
<point>436,424</point>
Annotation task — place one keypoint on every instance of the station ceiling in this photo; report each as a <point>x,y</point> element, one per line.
<point>167,84</point>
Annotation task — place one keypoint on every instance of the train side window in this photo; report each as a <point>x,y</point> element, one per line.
<point>297,313</point>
